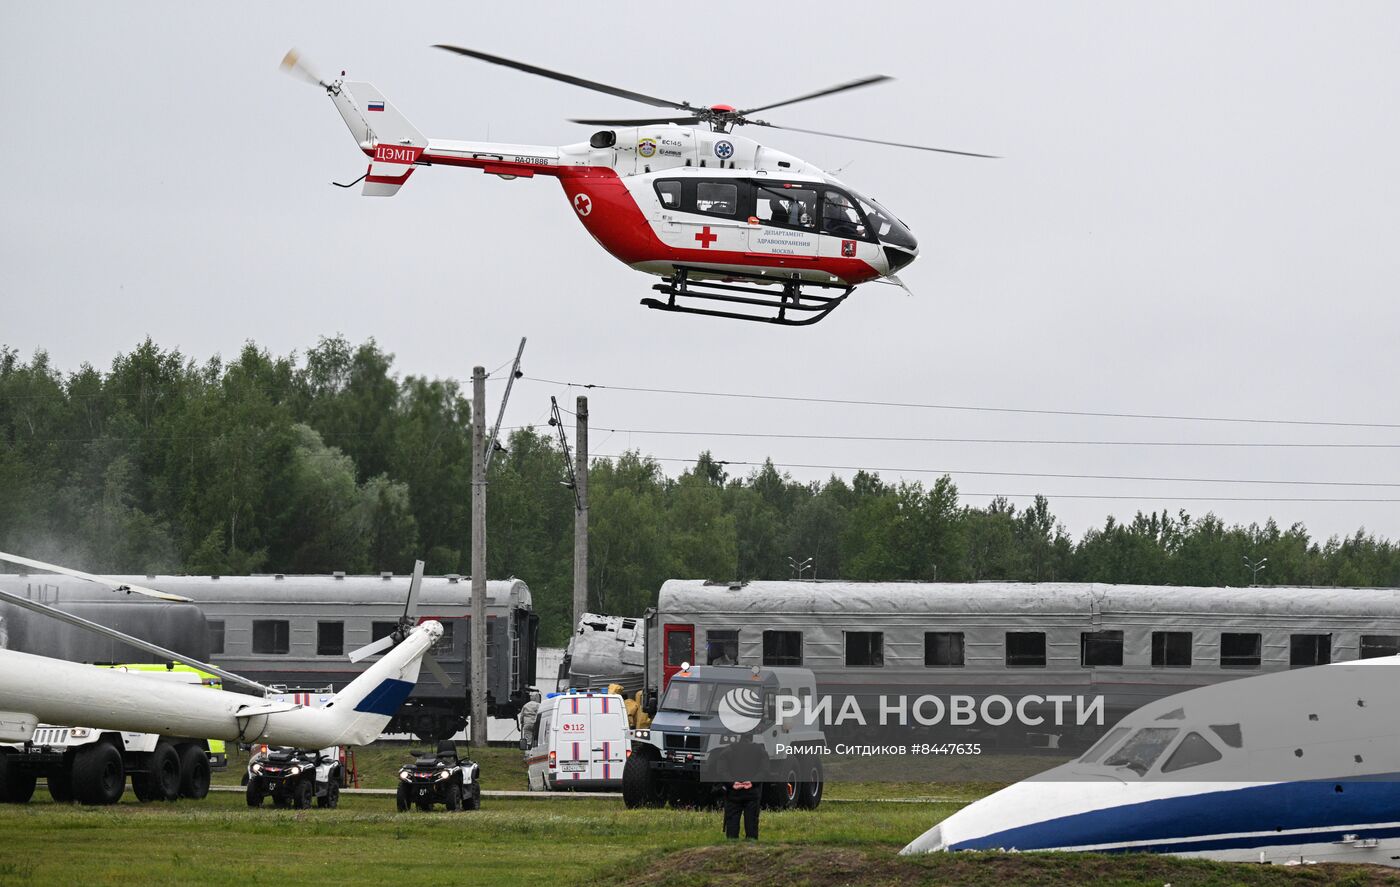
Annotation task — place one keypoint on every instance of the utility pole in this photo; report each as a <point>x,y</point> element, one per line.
<point>581,512</point>
<point>479,455</point>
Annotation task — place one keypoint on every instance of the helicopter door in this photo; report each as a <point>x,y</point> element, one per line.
<point>785,220</point>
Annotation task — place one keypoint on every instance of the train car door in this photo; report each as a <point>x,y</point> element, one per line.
<point>678,648</point>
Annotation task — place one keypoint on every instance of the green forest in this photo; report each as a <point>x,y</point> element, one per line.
<point>329,460</point>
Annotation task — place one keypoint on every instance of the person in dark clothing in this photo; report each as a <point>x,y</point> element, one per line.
<point>739,768</point>
<point>741,799</point>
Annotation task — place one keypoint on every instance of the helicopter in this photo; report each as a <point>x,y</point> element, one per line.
<point>734,228</point>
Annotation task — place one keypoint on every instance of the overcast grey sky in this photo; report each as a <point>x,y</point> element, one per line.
<point>1197,213</point>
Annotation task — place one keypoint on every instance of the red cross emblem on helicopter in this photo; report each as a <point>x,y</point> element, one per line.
<point>583,204</point>
<point>706,238</point>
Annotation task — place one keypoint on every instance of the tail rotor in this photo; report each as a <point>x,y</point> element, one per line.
<point>407,622</point>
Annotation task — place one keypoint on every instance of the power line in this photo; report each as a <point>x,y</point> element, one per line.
<point>1154,498</point>
<point>963,407</point>
<point>1056,476</point>
<point>999,440</point>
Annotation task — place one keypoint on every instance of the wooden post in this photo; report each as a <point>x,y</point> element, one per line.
<point>581,514</point>
<point>479,682</point>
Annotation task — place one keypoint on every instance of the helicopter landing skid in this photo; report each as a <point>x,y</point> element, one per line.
<point>793,306</point>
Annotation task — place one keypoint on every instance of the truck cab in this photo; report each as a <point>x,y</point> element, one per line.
<point>709,711</point>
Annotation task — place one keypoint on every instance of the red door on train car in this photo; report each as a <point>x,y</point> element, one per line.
<point>678,649</point>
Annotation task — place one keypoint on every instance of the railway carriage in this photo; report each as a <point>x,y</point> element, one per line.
<point>295,631</point>
<point>1130,644</point>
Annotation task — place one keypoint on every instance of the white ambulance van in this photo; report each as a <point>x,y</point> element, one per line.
<point>581,742</point>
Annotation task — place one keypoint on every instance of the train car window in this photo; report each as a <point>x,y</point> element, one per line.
<point>669,191</point>
<point>1171,649</point>
<point>379,630</point>
<point>722,647</point>
<point>330,638</point>
<point>1372,645</point>
<point>1100,648</point>
<point>943,649</point>
<point>1240,649</point>
<point>1025,649</point>
<point>782,648</point>
<point>216,638</point>
<point>271,636</point>
<point>785,206</point>
<point>1309,649</point>
<point>1193,751</point>
<point>1109,740</point>
<point>840,218</point>
<point>865,648</point>
<point>443,645</point>
<point>717,198</point>
<point>1143,749</point>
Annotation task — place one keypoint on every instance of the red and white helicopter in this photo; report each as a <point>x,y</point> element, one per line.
<point>722,219</point>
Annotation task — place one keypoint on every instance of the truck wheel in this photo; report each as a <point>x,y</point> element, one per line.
<point>61,787</point>
<point>402,798</point>
<point>254,793</point>
<point>809,795</point>
<point>194,772</point>
<point>164,775</point>
<point>782,795</point>
<point>98,774</point>
<point>301,795</point>
<point>16,786</point>
<point>640,787</point>
<point>453,803</point>
<point>331,799</point>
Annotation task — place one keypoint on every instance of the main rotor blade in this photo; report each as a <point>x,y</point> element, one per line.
<point>645,121</point>
<point>410,606</point>
<point>854,84</point>
<point>836,135</point>
<point>565,78</point>
<point>432,665</point>
<point>80,622</point>
<point>100,580</point>
<point>371,649</point>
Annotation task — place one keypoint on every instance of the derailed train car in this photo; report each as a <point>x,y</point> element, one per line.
<point>1129,644</point>
<point>296,631</point>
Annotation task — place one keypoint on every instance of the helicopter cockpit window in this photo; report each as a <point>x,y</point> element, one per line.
<point>670,193</point>
<point>786,206</point>
<point>840,218</point>
<point>717,198</point>
<point>889,229</point>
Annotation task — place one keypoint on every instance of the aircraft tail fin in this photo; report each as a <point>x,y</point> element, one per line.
<point>367,703</point>
<point>395,143</point>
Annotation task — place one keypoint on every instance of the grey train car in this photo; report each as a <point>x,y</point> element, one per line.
<point>1131,644</point>
<point>297,631</point>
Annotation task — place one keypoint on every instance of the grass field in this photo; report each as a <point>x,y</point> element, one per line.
<point>528,841</point>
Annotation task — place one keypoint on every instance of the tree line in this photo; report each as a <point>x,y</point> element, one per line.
<point>330,461</point>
